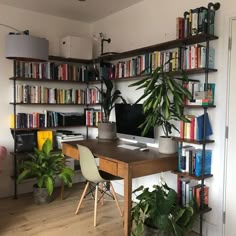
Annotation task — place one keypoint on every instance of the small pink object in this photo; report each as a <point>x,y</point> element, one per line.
<point>3,153</point>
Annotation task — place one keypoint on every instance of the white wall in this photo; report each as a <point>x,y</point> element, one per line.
<point>151,22</point>
<point>52,28</point>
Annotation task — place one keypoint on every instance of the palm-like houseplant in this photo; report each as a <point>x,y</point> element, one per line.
<point>159,213</point>
<point>163,99</point>
<point>45,166</point>
<point>106,129</point>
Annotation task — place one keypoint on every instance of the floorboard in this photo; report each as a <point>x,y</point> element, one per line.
<point>22,217</point>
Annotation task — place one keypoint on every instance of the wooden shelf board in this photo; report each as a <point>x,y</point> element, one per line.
<point>43,128</point>
<point>192,141</point>
<point>46,80</point>
<point>69,60</point>
<point>173,73</point>
<point>199,106</point>
<point>205,210</point>
<point>190,176</point>
<point>159,47</point>
<point>30,152</point>
<point>50,104</point>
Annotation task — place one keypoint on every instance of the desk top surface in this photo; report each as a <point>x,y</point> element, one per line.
<point>110,149</point>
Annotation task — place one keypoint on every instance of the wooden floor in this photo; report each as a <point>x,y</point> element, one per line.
<point>22,217</point>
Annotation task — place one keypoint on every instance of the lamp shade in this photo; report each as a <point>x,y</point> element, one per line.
<point>26,47</point>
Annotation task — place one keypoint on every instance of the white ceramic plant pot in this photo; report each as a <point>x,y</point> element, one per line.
<point>167,145</point>
<point>106,130</point>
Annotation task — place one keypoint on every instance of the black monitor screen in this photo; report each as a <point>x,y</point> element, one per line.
<point>128,119</point>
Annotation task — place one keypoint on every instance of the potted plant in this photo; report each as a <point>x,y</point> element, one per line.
<point>107,129</point>
<point>163,102</point>
<point>45,166</point>
<point>159,213</point>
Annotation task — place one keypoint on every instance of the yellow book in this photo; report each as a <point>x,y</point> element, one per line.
<point>12,121</point>
<point>42,136</point>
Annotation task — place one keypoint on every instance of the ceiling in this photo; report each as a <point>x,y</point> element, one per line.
<point>86,11</point>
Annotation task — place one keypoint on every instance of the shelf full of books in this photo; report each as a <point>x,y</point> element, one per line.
<point>185,58</point>
<point>36,94</point>
<point>53,119</point>
<point>194,156</point>
<point>51,71</point>
<point>189,190</point>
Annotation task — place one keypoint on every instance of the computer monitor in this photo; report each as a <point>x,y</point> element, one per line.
<point>128,119</point>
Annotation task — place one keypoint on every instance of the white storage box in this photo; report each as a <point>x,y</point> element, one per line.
<point>76,47</point>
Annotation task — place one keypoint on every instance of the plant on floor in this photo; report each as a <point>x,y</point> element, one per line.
<point>163,99</point>
<point>45,165</point>
<point>159,209</point>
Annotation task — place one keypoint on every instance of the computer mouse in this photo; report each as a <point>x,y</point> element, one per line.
<point>144,149</point>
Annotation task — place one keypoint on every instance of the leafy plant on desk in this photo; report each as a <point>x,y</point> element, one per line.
<point>163,99</point>
<point>45,166</point>
<point>159,211</point>
<point>107,129</point>
<point>109,98</point>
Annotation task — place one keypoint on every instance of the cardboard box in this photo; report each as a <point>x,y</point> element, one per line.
<point>76,47</point>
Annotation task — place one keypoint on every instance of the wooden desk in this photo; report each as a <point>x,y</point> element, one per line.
<point>124,163</point>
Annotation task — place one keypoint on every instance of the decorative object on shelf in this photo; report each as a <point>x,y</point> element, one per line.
<point>103,39</point>
<point>22,46</point>
<point>163,103</point>
<point>159,213</point>
<point>76,47</point>
<point>107,129</point>
<point>28,47</point>
<point>45,166</point>
<point>3,153</point>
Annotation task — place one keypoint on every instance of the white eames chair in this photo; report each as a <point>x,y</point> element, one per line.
<point>94,178</point>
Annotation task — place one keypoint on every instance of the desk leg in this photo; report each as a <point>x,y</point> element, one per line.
<point>127,201</point>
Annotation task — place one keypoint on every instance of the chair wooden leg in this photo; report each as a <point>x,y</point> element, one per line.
<point>82,197</point>
<point>102,194</point>
<point>95,206</point>
<point>116,200</point>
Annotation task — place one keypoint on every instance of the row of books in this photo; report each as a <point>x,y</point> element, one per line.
<point>44,120</point>
<point>194,56</point>
<point>142,65</point>
<point>51,71</point>
<point>195,21</point>
<point>39,94</point>
<point>190,57</point>
<point>189,190</point>
<point>202,93</point>
<point>92,116</point>
<point>190,160</point>
<point>193,129</point>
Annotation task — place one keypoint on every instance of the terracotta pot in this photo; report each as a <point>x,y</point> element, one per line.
<point>106,130</point>
<point>167,145</point>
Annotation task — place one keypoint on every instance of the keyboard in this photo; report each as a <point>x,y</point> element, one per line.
<point>128,146</point>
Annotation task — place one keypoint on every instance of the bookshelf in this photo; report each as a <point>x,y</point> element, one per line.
<point>205,158</point>
<point>187,41</point>
<point>32,75</point>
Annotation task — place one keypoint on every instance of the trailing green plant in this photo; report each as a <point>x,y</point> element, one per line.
<point>45,166</point>
<point>159,209</point>
<point>109,98</point>
<point>163,99</point>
